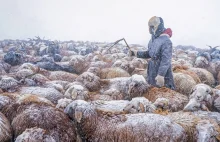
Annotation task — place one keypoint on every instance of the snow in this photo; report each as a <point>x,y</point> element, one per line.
<point>138,78</point>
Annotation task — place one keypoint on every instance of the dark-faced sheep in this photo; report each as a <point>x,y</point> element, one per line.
<point>92,126</point>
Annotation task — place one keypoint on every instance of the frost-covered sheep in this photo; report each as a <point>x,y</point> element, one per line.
<point>129,87</point>
<point>213,67</point>
<point>184,83</point>
<point>113,107</point>
<point>205,76</point>
<point>181,62</point>
<point>125,65</point>
<point>35,135</point>
<point>39,79</point>
<point>4,68</point>
<point>139,63</point>
<point>62,75</point>
<point>58,87</point>
<point>100,64</point>
<point>177,100</point>
<point>57,82</point>
<point>90,81</point>
<point>196,128</point>
<point>78,63</point>
<point>162,105</point>
<point>184,70</point>
<point>108,73</point>
<point>95,70</point>
<point>31,111</point>
<point>23,73</point>
<point>6,100</point>
<point>8,84</point>
<point>140,105</point>
<point>5,129</point>
<point>77,92</point>
<point>33,68</point>
<point>93,126</point>
<point>203,97</point>
<point>50,93</point>
<point>63,103</point>
<point>139,71</point>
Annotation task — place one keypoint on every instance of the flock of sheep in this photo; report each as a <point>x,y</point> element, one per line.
<point>71,91</point>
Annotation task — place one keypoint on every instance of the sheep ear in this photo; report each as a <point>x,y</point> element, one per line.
<point>78,116</point>
<point>141,107</point>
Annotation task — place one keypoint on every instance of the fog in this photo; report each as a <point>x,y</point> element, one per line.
<point>194,22</point>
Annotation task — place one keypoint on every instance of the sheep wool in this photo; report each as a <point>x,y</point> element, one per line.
<point>184,83</point>
<point>204,75</point>
<point>177,100</point>
<point>5,129</point>
<point>108,73</point>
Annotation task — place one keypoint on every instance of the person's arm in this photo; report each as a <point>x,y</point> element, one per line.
<point>166,58</point>
<point>143,54</point>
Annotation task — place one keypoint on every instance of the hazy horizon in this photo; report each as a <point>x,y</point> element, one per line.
<point>194,22</point>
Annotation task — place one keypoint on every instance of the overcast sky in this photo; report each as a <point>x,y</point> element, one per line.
<point>194,22</point>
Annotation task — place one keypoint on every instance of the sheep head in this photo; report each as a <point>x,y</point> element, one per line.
<point>127,67</point>
<point>90,80</point>
<point>137,86</point>
<point>83,115</point>
<point>63,103</point>
<point>201,62</point>
<point>162,103</point>
<point>77,92</point>
<point>201,98</point>
<point>79,110</point>
<point>8,83</point>
<point>139,105</point>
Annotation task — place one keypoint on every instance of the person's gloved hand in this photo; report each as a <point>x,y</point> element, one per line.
<point>132,52</point>
<point>159,80</point>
